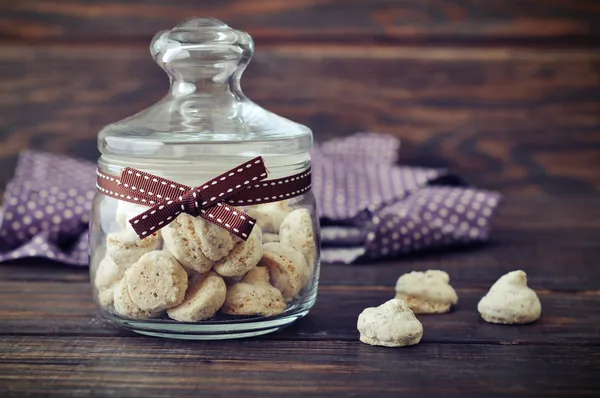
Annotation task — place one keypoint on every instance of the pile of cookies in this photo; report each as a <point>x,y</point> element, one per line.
<point>191,269</point>
<point>394,324</point>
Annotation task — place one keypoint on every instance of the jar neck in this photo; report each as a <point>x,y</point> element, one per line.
<point>217,81</point>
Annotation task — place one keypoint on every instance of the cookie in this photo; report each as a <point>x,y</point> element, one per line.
<point>205,295</point>
<point>243,257</point>
<point>297,231</point>
<point>287,268</point>
<point>392,324</point>
<point>156,282</point>
<point>426,292</point>
<point>254,295</point>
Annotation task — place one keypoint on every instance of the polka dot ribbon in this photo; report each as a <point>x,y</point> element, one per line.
<point>214,200</point>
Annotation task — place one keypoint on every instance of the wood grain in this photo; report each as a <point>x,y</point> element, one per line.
<point>132,367</point>
<point>504,118</point>
<point>316,20</point>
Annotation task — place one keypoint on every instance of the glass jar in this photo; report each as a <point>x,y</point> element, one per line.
<point>191,274</point>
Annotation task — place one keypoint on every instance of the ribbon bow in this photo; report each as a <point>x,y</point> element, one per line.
<point>242,185</point>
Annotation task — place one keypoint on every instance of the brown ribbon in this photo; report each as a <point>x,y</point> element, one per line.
<point>242,185</point>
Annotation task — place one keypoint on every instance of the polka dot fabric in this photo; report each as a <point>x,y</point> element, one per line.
<point>45,211</point>
<point>371,208</point>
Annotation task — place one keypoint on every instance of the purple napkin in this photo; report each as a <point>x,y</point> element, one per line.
<point>46,208</point>
<point>369,207</point>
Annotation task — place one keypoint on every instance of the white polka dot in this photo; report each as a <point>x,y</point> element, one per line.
<point>31,205</point>
<point>56,219</point>
<point>72,192</point>
<point>406,241</point>
<point>395,236</point>
<point>49,209</point>
<point>432,206</point>
<point>476,205</point>
<point>27,220</point>
<point>424,230</point>
<point>464,225</point>
<point>486,212</point>
<point>68,213</point>
<point>470,215</point>
<point>43,194</point>
<point>21,209</point>
<point>449,203</point>
<point>16,225</point>
<point>443,212</point>
<point>481,222</point>
<point>8,216</point>
<point>13,201</point>
<point>448,229</point>
<point>403,230</point>
<point>492,202</point>
<point>474,233</point>
<point>427,216</point>
<point>70,203</point>
<point>417,236</point>
<point>460,209</point>
<point>453,219</point>
<point>410,224</point>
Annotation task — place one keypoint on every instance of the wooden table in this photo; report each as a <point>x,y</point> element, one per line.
<point>506,94</point>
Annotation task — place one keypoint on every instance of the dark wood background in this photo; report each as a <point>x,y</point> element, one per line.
<point>505,93</point>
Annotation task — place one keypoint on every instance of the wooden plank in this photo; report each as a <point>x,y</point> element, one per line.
<point>69,310</point>
<point>135,367</point>
<point>523,121</point>
<point>318,20</point>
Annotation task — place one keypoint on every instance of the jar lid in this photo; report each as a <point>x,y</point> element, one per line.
<point>205,112</point>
